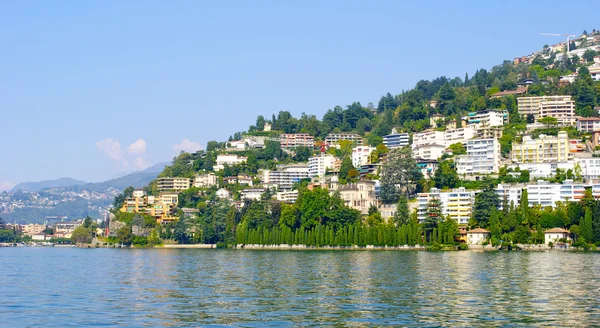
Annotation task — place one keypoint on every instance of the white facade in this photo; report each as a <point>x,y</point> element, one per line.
<point>555,234</point>
<point>317,166</point>
<point>360,155</point>
<point>487,118</point>
<point>547,194</point>
<point>205,180</point>
<point>429,152</point>
<point>511,193</point>
<point>590,167</point>
<point>223,194</point>
<point>458,135</point>
<point>333,138</point>
<point>285,178</point>
<point>428,137</point>
<point>228,159</point>
<point>287,196</point>
<point>396,140</point>
<point>477,236</point>
<point>483,157</point>
<point>458,203</point>
<point>588,124</point>
<point>139,193</point>
<point>253,194</point>
<point>543,170</point>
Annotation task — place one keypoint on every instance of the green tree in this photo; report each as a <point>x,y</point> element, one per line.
<point>585,226</point>
<point>81,235</point>
<point>302,154</point>
<point>446,176</point>
<point>124,235</point>
<point>120,198</point>
<point>399,175</point>
<point>485,202</point>
<point>345,168</point>
<point>180,231</point>
<point>402,215</point>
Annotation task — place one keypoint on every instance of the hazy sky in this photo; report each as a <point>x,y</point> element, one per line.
<point>95,89</point>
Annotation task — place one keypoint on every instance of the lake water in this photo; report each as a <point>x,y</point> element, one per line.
<point>54,287</point>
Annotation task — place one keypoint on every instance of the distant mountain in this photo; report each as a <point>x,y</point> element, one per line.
<point>136,179</point>
<point>39,185</point>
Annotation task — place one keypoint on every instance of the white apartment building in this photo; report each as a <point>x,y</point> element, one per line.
<point>428,137</point>
<point>285,178</point>
<point>588,124</point>
<point>289,196</point>
<point>172,184</point>
<point>139,193</point>
<point>333,138</point>
<point>429,152</point>
<point>252,194</point>
<point>205,180</point>
<point>542,150</point>
<point>318,165</point>
<point>483,157</point>
<point>511,193</point>
<point>547,194</point>
<point>487,118</point>
<point>590,167</point>
<point>461,135</point>
<point>543,170</point>
<point>360,155</point>
<point>396,140</point>
<point>560,107</point>
<point>457,203</point>
<point>293,140</point>
<point>228,159</point>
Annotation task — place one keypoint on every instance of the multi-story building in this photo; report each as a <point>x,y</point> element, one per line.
<point>509,194</point>
<point>65,229</point>
<point>427,167</point>
<point>205,180</point>
<point>161,207</point>
<point>172,184</point>
<point>318,165</point>
<point>589,166</point>
<point>333,138</point>
<point>428,137</point>
<point>360,155</point>
<point>483,157</point>
<point>33,229</point>
<point>288,196</point>
<point>560,107</point>
<point>456,203</point>
<point>396,140</point>
<point>293,140</point>
<point>487,118</point>
<point>252,194</point>
<point>543,170</point>
<point>429,152</point>
<point>433,119</point>
<point>458,135</point>
<point>588,124</point>
<point>285,177</point>
<point>359,196</point>
<point>542,150</point>
<point>228,159</point>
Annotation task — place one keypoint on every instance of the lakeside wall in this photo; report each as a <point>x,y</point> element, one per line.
<point>286,247</point>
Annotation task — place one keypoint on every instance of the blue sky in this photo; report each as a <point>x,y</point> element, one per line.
<point>96,89</point>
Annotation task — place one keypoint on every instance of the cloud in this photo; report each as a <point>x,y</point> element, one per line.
<point>139,163</point>
<point>187,145</point>
<point>138,147</point>
<point>5,185</point>
<point>111,148</point>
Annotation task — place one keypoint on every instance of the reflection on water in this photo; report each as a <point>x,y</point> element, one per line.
<point>115,287</point>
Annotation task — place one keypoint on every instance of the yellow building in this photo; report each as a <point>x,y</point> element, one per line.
<point>560,107</point>
<point>546,149</point>
<point>161,207</point>
<point>172,184</point>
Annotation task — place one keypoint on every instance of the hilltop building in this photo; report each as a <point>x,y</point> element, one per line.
<point>172,184</point>
<point>396,140</point>
<point>483,157</point>
<point>560,107</point>
<point>318,165</point>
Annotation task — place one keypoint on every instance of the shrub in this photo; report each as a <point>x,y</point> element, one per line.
<point>463,247</point>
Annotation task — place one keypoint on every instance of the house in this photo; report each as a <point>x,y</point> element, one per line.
<point>435,118</point>
<point>359,196</point>
<point>236,145</point>
<point>253,194</point>
<point>228,159</point>
<point>555,234</point>
<point>477,236</point>
<point>267,127</point>
<point>245,180</point>
<point>427,167</point>
<point>205,180</point>
<point>360,155</point>
<point>223,194</point>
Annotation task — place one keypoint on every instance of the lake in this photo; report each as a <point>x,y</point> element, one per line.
<point>58,287</point>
